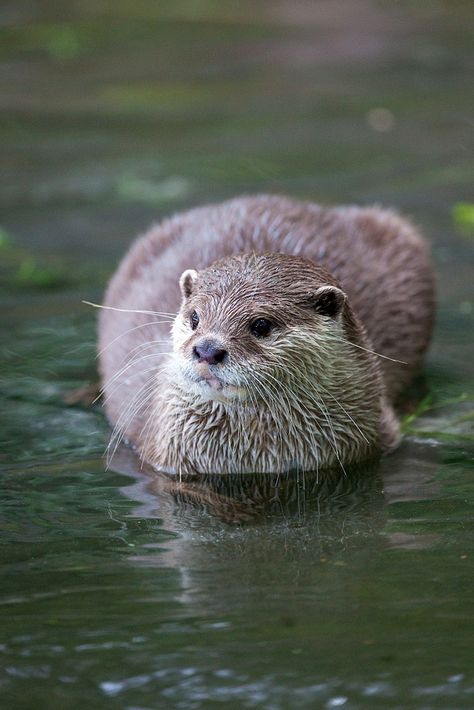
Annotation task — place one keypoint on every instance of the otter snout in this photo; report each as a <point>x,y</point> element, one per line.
<point>210,351</point>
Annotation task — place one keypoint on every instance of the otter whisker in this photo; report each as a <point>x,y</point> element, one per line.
<point>290,400</point>
<point>274,389</point>
<point>134,356</point>
<point>246,377</point>
<point>345,412</point>
<point>116,387</point>
<point>368,350</point>
<point>318,385</point>
<point>293,402</point>
<point>126,416</point>
<point>133,362</point>
<point>331,429</point>
<point>148,344</point>
<point>272,412</point>
<point>136,403</point>
<point>127,332</point>
<point>134,400</point>
<point>147,430</point>
<point>323,409</point>
<point>130,310</point>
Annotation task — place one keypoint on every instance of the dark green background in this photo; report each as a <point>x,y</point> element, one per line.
<point>113,115</point>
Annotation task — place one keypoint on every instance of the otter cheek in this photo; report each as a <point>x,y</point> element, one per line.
<point>178,336</point>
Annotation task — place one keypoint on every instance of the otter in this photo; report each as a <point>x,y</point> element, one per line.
<point>265,335</point>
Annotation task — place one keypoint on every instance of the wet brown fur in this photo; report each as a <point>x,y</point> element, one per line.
<point>316,401</point>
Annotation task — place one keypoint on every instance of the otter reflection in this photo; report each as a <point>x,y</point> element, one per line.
<point>250,497</point>
<point>238,499</point>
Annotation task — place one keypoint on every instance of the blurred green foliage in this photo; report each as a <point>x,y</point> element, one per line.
<point>22,270</point>
<point>463,215</point>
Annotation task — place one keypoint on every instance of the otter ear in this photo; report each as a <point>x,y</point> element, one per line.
<point>328,301</point>
<point>187,281</point>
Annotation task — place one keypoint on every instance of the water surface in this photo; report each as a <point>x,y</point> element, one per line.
<point>115,593</point>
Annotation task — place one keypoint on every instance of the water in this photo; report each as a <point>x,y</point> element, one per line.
<point>114,593</point>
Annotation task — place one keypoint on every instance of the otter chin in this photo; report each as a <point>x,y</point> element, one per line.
<point>265,334</point>
<point>208,384</point>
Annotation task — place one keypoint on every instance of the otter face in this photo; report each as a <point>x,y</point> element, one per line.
<point>236,334</point>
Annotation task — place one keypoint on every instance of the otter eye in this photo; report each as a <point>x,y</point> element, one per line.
<point>260,327</point>
<point>194,320</point>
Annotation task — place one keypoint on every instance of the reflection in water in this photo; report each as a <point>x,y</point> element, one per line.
<point>334,513</point>
<point>406,475</point>
<point>246,498</point>
<point>265,546</point>
<point>288,526</point>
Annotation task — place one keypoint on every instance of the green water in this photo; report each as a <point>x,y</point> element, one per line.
<point>114,594</point>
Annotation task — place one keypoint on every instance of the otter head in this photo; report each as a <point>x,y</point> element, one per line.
<point>252,327</point>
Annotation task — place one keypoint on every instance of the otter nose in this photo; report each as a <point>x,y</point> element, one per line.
<point>209,351</point>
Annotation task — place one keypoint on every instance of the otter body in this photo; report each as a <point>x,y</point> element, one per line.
<point>265,334</point>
